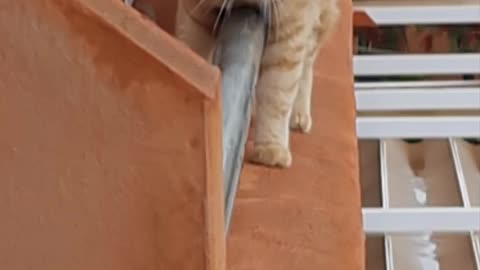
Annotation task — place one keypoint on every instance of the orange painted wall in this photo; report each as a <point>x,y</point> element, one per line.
<point>108,158</point>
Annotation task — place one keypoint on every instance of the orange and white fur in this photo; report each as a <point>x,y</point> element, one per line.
<point>283,94</point>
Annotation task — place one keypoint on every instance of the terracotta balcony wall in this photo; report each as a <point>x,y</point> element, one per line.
<point>110,151</point>
<point>109,144</point>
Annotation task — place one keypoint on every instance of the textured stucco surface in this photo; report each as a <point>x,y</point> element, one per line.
<point>107,157</point>
<point>105,164</point>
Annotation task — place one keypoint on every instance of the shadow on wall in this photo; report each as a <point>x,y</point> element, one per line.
<point>154,8</point>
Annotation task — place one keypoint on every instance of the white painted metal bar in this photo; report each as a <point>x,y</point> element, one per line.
<point>418,127</point>
<point>416,64</point>
<point>459,172</point>
<point>416,220</point>
<point>418,95</point>
<point>467,168</point>
<point>476,247</point>
<point>465,196</point>
<point>386,221</point>
<point>389,265</point>
<point>411,221</point>
<point>396,99</point>
<point>384,175</point>
<point>426,84</point>
<point>420,12</point>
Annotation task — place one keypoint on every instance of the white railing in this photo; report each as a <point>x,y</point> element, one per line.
<point>385,12</point>
<point>425,219</point>
<point>407,216</point>
<point>416,64</point>
<point>371,127</point>
<point>440,110</point>
<point>418,98</point>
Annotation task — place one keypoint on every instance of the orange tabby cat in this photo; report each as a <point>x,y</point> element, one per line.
<point>283,96</point>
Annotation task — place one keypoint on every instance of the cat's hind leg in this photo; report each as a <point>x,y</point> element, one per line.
<point>276,91</point>
<point>301,118</point>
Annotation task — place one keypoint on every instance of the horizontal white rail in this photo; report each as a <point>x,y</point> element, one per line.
<point>422,12</point>
<point>416,220</point>
<point>452,98</point>
<point>416,64</point>
<point>424,84</point>
<point>418,127</point>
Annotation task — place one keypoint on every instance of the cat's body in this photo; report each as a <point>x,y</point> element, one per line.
<point>283,98</point>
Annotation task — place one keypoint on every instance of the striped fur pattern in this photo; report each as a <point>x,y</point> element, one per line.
<point>283,99</point>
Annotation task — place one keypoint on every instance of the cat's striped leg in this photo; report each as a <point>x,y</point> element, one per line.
<point>301,118</point>
<point>276,91</point>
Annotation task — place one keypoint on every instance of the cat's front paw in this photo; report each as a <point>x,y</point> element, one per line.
<point>301,121</point>
<point>271,154</point>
